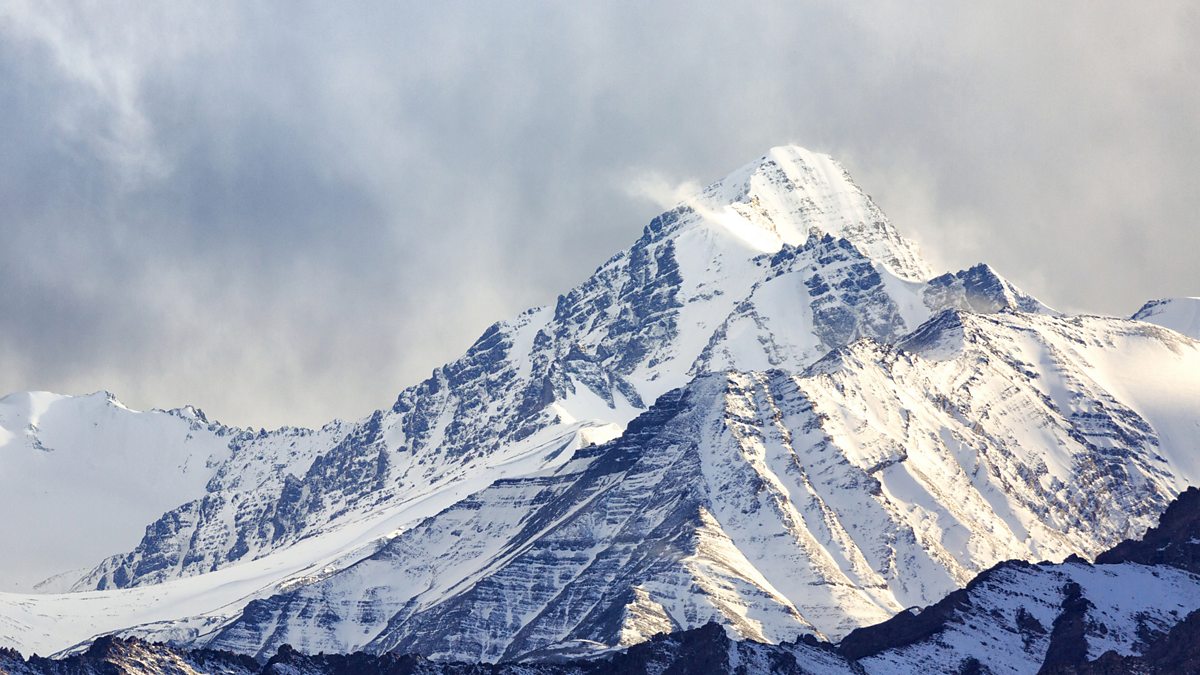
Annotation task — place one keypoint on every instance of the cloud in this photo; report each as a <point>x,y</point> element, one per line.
<point>661,191</point>
<point>285,212</point>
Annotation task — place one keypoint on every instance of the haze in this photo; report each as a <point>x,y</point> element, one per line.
<point>287,212</point>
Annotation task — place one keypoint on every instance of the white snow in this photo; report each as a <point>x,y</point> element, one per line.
<point>1178,314</point>
<point>49,623</point>
<point>81,476</point>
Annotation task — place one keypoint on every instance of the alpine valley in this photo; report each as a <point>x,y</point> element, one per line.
<point>766,430</point>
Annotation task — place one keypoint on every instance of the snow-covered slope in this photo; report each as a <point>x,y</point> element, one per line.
<point>1178,314</point>
<point>81,476</point>
<point>780,504</point>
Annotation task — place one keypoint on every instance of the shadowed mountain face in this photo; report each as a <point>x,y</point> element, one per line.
<point>1117,616</point>
<point>1174,542</point>
<point>766,414</point>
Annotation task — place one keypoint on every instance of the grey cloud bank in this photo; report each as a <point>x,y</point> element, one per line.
<point>287,212</point>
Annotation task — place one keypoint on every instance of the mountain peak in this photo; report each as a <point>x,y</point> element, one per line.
<point>790,193</point>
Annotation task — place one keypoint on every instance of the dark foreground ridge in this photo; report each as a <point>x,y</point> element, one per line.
<point>926,641</point>
<point>702,650</point>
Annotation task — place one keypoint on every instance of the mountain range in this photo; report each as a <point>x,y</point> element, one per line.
<point>767,415</point>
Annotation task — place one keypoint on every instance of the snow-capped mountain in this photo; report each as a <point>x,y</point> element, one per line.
<point>765,269</point>
<point>838,435</point>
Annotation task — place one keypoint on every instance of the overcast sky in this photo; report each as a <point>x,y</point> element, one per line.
<point>285,212</point>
